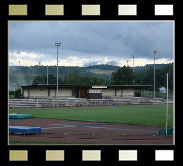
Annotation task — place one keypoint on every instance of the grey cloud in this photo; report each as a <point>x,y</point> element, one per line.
<point>83,39</point>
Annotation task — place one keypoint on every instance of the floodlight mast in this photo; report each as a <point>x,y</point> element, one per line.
<point>57,45</point>
<point>133,62</point>
<point>133,67</point>
<point>154,52</point>
<point>19,73</point>
<point>167,107</point>
<point>47,74</point>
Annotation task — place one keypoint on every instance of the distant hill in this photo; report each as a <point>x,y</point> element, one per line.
<point>102,67</point>
<point>64,70</point>
<point>99,71</point>
<point>138,69</point>
<point>24,75</point>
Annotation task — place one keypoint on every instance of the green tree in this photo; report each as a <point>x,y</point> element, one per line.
<point>74,77</point>
<point>85,81</point>
<point>42,79</point>
<point>65,79</point>
<point>123,76</point>
<point>96,81</point>
<point>18,93</point>
<point>148,77</point>
<point>168,69</point>
<point>39,79</point>
<point>52,79</point>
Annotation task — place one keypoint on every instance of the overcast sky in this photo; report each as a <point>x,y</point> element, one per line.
<point>89,42</point>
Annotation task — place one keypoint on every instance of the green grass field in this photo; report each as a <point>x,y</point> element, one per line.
<point>152,115</point>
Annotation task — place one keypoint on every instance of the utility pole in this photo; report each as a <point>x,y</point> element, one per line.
<point>154,52</point>
<point>47,74</point>
<point>133,67</point>
<point>127,63</point>
<point>133,62</point>
<point>19,75</point>
<point>10,80</point>
<point>57,45</point>
<point>167,107</point>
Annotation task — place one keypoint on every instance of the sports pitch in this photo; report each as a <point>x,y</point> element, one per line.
<point>150,115</point>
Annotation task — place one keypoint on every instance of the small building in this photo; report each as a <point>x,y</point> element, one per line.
<point>162,89</point>
<point>81,91</point>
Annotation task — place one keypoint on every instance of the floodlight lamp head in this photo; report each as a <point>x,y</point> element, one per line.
<point>154,52</point>
<point>57,44</point>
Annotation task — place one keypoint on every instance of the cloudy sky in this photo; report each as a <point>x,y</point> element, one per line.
<point>89,42</point>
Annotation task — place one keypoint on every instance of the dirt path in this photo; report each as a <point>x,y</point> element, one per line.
<point>74,132</point>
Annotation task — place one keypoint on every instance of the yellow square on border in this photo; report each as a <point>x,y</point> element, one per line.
<point>129,10</point>
<point>17,10</point>
<point>53,10</point>
<point>90,10</point>
<point>54,155</point>
<point>18,155</point>
<point>91,155</point>
<point>127,155</point>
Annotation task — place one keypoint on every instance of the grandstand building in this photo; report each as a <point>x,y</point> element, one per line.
<point>82,91</point>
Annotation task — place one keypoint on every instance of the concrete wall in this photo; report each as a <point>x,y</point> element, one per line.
<point>65,92</point>
<point>108,92</point>
<point>25,93</point>
<point>52,92</point>
<point>118,92</point>
<point>95,91</point>
<point>127,92</point>
<point>41,92</point>
<point>44,92</point>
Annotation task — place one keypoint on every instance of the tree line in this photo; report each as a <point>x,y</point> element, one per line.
<point>73,78</point>
<point>122,76</point>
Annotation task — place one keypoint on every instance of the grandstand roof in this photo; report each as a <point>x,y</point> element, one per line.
<point>87,86</point>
